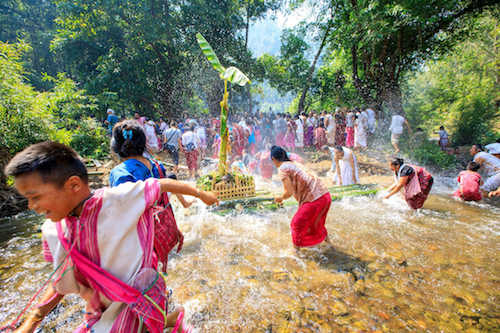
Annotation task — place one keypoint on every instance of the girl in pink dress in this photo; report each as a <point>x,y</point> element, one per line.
<point>470,181</point>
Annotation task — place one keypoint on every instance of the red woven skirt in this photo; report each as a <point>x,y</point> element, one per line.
<point>308,224</point>
<point>192,159</point>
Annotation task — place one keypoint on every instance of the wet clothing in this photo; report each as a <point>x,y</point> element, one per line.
<point>122,252</point>
<point>308,224</point>
<point>417,186</point>
<point>307,187</point>
<point>469,186</point>
<point>372,120</point>
<point>133,170</point>
<point>491,167</point>
<point>346,171</point>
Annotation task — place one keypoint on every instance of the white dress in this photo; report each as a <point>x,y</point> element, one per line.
<point>151,138</point>
<point>330,130</point>
<point>299,137</point>
<point>372,120</point>
<point>345,167</point>
<point>360,132</point>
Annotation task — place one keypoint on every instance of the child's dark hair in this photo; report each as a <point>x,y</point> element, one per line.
<point>128,139</point>
<point>473,166</point>
<point>172,175</point>
<point>279,154</point>
<point>441,128</point>
<point>55,162</point>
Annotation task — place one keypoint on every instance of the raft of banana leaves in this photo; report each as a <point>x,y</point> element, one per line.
<point>264,200</point>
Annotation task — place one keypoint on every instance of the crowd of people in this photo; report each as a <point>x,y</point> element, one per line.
<point>199,137</point>
<point>117,270</point>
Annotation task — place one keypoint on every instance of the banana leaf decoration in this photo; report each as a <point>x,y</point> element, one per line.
<point>233,75</point>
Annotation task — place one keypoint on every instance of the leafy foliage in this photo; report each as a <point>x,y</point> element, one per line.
<point>461,90</point>
<point>430,154</point>
<point>28,117</point>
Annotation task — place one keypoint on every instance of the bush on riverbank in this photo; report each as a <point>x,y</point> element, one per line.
<point>28,116</point>
<point>430,154</point>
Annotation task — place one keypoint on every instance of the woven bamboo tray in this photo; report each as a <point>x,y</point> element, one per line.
<point>238,189</point>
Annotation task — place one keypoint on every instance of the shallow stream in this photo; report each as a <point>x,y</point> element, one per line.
<point>390,270</point>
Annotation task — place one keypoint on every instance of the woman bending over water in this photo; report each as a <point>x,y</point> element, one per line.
<point>308,224</point>
<point>415,181</point>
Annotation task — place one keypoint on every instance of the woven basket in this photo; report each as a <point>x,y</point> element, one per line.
<point>239,189</point>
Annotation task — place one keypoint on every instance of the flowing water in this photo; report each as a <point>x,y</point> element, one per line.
<point>390,270</point>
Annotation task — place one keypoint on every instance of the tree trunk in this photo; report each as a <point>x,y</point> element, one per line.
<point>249,93</point>
<point>247,25</point>
<point>311,71</point>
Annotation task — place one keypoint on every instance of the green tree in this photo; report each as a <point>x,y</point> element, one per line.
<point>33,22</point>
<point>461,91</point>
<point>384,40</point>
<point>288,72</point>
<point>28,117</point>
<point>144,52</point>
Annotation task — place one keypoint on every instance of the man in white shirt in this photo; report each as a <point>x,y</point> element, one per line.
<point>397,129</point>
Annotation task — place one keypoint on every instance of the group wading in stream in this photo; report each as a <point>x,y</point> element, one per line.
<point>110,246</point>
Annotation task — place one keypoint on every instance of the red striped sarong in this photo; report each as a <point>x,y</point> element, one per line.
<point>192,159</point>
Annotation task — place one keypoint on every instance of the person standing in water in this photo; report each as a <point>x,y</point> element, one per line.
<point>308,224</point>
<point>415,181</point>
<point>470,183</point>
<point>345,165</point>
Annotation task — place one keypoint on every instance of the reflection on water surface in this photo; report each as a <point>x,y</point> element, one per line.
<point>391,270</point>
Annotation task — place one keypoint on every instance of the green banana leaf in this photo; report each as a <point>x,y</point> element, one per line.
<point>209,53</point>
<point>234,75</point>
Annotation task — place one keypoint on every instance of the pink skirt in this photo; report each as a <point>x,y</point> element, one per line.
<point>280,136</point>
<point>289,140</point>
<point>308,224</point>
<point>349,141</point>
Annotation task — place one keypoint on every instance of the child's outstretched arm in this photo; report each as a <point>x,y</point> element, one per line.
<point>183,200</point>
<point>174,186</point>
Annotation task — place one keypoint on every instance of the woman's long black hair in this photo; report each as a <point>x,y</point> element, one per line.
<point>279,154</point>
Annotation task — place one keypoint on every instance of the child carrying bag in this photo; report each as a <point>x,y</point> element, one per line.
<point>149,303</point>
<point>167,234</point>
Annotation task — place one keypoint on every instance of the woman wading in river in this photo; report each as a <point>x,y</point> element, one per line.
<point>415,180</point>
<point>308,224</point>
